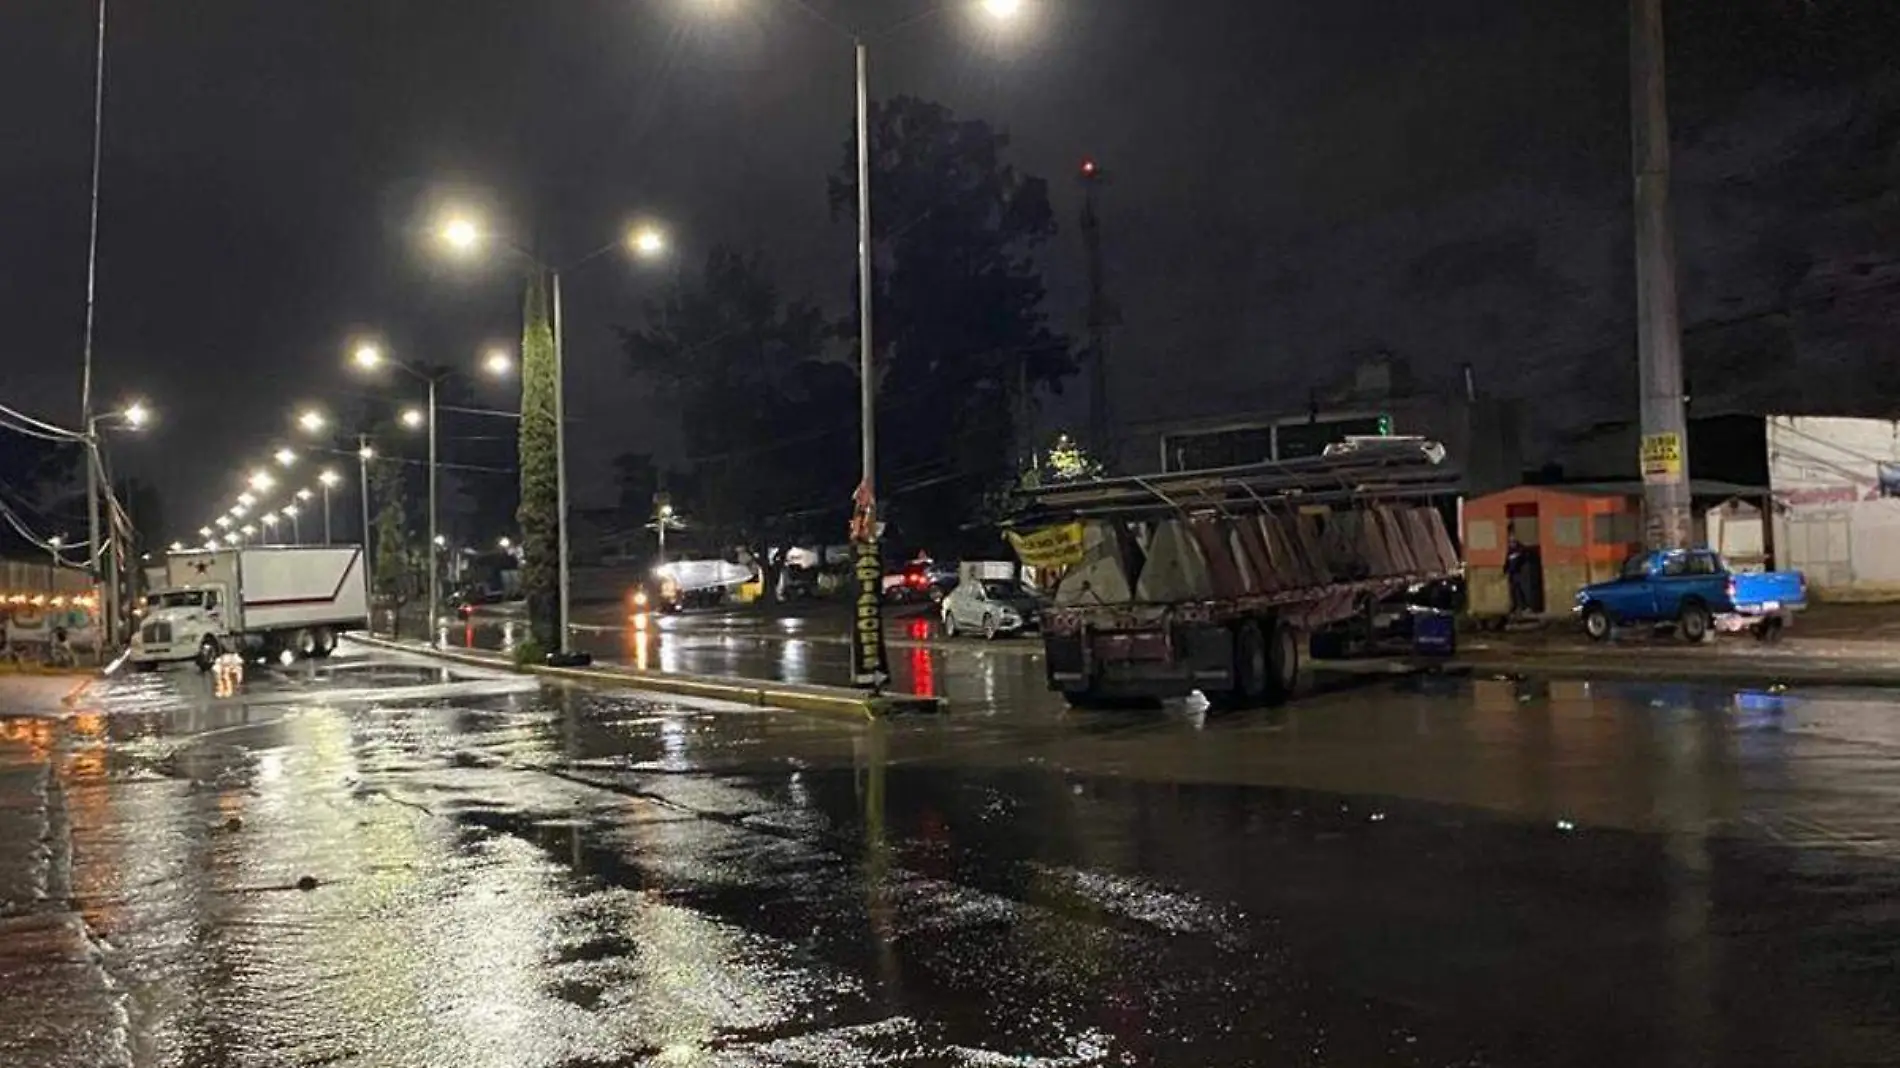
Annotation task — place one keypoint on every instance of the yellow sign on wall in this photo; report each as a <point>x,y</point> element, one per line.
<point>1049,547</point>
<point>1662,458</point>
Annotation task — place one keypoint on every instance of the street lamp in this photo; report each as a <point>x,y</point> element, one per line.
<point>262,481</point>
<point>413,418</point>
<point>499,363</point>
<point>223,522</point>
<point>248,531</point>
<point>312,421</point>
<point>231,538</point>
<point>285,457</point>
<point>269,519</point>
<point>103,566</point>
<point>291,512</point>
<point>465,235</point>
<point>178,547</point>
<point>998,10</point>
<point>504,544</point>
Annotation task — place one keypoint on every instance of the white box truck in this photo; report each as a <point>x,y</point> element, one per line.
<point>256,602</point>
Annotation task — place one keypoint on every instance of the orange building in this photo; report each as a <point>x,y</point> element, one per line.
<point>1581,535</point>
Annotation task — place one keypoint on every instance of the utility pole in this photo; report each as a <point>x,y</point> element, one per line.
<point>1669,520</point>
<point>1100,427</point>
<point>94,564</point>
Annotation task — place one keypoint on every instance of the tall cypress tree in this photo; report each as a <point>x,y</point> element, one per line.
<point>540,495</point>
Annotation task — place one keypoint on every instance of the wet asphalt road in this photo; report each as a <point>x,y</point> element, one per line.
<point>1419,871</point>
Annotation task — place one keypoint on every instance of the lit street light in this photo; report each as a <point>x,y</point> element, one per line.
<point>101,565</point>
<point>413,418</point>
<point>178,547</point>
<point>997,10</point>
<point>498,363</point>
<point>285,457</point>
<point>223,522</point>
<point>269,519</point>
<point>465,235</point>
<point>262,481</point>
<point>504,544</point>
<point>312,421</point>
<point>291,512</point>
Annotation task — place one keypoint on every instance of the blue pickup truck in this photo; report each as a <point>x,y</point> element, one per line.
<point>1694,591</point>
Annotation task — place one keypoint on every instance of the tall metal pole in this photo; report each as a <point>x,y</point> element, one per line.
<point>1665,454</point>
<point>867,378</point>
<point>108,630</point>
<point>362,493</point>
<point>435,603</point>
<point>560,449</point>
<point>326,513</point>
<point>1099,427</point>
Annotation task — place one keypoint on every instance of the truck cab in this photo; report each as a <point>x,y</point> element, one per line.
<point>179,624</point>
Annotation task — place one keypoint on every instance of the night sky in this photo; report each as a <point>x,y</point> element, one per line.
<point>1295,183</point>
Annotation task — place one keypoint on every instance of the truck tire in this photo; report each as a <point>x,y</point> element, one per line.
<point>1695,624</point>
<point>1283,662</point>
<point>326,643</point>
<point>1769,630</point>
<point>1251,667</point>
<point>949,623</point>
<point>1596,623</point>
<point>208,653</point>
<point>303,644</point>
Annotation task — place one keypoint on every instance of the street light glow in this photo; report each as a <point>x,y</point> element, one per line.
<point>261,481</point>
<point>367,452</point>
<point>178,546</point>
<point>646,242</point>
<point>413,418</point>
<point>223,523</point>
<point>204,532</point>
<point>1003,9</point>
<point>290,511</point>
<point>368,357</point>
<point>499,363</point>
<point>136,414</point>
<point>461,234</point>
<point>305,494</point>
<point>286,457</point>
<point>245,500</point>
<point>231,538</point>
<point>329,478</point>
<point>247,530</point>
<point>269,519</point>
<point>312,421</point>
<point>505,544</point>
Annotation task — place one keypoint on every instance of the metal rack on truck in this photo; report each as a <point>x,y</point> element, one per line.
<point>1217,580</point>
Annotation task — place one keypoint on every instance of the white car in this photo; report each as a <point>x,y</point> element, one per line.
<point>990,607</point>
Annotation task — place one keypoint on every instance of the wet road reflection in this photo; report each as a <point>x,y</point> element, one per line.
<point>380,862</point>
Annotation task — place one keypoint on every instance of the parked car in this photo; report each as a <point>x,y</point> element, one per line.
<point>990,607</point>
<point>1693,590</point>
<point>921,580</point>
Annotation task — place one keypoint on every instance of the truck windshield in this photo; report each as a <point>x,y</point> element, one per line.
<point>176,599</point>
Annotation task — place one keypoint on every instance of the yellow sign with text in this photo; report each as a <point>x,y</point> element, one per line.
<point>1049,547</point>
<point>1662,458</point>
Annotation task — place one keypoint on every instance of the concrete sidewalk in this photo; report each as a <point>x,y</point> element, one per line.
<point>767,693</point>
<point>1837,645</point>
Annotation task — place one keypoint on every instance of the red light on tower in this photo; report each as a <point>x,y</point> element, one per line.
<point>1088,167</point>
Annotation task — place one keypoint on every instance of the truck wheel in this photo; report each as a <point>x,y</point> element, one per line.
<point>1283,663</point>
<point>1250,664</point>
<point>1695,623</point>
<point>1596,623</point>
<point>326,643</point>
<point>208,653</point>
<point>303,644</point>
<point>1769,630</point>
<point>949,623</point>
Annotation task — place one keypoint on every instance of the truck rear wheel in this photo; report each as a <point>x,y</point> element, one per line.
<point>1283,663</point>
<point>1251,664</point>
<point>326,643</point>
<point>1695,623</point>
<point>303,644</point>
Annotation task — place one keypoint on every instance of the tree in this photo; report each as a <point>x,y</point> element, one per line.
<point>769,424</point>
<point>397,555</point>
<point>539,513</point>
<point>962,339</point>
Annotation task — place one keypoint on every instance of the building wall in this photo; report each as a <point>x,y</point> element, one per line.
<point>1836,485</point>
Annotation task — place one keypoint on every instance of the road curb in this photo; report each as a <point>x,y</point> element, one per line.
<point>827,700</point>
<point>1740,674</point>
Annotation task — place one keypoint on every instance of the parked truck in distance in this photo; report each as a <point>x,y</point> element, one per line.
<point>1220,581</point>
<point>255,602</point>
<point>1694,591</point>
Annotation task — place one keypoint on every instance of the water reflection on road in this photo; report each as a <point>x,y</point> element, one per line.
<point>379,862</point>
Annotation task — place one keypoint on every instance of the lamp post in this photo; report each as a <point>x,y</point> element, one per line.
<point>464,235</point>
<point>364,454</point>
<point>292,512</point>
<point>370,357</point>
<point>328,481</point>
<point>104,566</point>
